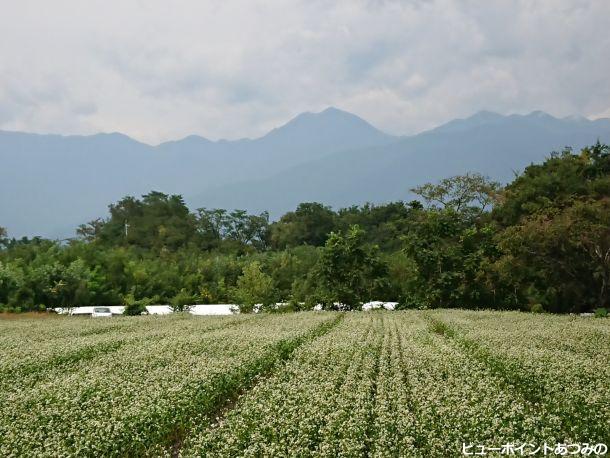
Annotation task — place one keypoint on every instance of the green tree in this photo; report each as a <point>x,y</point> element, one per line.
<point>560,258</point>
<point>449,252</point>
<point>248,229</point>
<point>158,222</point>
<point>309,224</point>
<point>555,239</point>
<point>460,193</point>
<point>134,307</point>
<point>182,301</point>
<point>11,280</point>
<point>58,285</point>
<point>349,272</point>
<point>217,225</point>
<point>289,265</point>
<point>556,182</point>
<point>3,237</point>
<point>212,226</point>
<point>90,231</point>
<point>254,287</point>
<point>451,243</point>
<point>383,224</point>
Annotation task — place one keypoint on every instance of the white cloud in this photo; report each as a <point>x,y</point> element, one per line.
<point>158,70</point>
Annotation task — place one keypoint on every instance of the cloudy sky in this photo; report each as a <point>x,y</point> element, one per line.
<point>159,70</point>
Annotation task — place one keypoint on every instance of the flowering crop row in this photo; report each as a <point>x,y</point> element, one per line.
<point>24,336</point>
<point>126,401</point>
<point>386,385</point>
<point>28,360</point>
<point>382,384</point>
<point>319,403</point>
<point>559,363</point>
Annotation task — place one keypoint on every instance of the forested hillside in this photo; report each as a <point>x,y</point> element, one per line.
<point>541,243</point>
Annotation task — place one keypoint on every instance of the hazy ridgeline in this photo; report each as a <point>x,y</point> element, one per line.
<point>332,157</point>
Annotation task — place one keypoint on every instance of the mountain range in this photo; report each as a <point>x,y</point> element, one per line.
<point>51,183</point>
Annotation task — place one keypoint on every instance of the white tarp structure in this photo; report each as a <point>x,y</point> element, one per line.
<point>205,309</point>
<point>199,309</point>
<point>115,309</point>
<point>373,305</point>
<point>214,309</point>
<point>158,309</point>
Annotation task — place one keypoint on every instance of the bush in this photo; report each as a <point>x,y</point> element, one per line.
<point>182,302</point>
<point>135,308</point>
<point>537,308</point>
<point>410,300</point>
<point>254,287</point>
<point>601,312</point>
<point>290,307</point>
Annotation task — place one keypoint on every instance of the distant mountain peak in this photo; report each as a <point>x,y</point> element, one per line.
<point>540,115</point>
<point>486,115</point>
<point>188,141</point>
<point>110,135</point>
<point>486,118</point>
<point>477,119</point>
<point>195,138</point>
<point>324,115</point>
<point>336,112</point>
<point>330,118</point>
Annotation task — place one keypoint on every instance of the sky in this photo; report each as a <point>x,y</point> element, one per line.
<point>160,70</point>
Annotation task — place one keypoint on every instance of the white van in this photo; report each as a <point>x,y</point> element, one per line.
<point>99,312</point>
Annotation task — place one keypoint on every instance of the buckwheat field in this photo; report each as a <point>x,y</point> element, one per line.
<point>383,384</point>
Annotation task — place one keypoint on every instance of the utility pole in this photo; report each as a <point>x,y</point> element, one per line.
<point>126,227</point>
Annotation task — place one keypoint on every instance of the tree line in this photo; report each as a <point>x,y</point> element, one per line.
<point>540,243</point>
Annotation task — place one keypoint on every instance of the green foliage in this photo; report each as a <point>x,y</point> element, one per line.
<point>556,239</point>
<point>254,287</point>
<point>556,183</point>
<point>3,237</point>
<point>383,224</point>
<point>133,306</point>
<point>133,309</point>
<point>217,226</point>
<point>450,254</point>
<point>182,301</point>
<point>537,308</point>
<point>460,193</point>
<point>546,241</point>
<point>348,272</point>
<point>309,224</point>
<point>601,312</point>
<point>11,279</point>
<point>158,222</point>
<point>560,257</point>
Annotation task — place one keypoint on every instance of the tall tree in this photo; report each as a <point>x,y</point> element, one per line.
<point>556,182</point>
<point>560,258</point>
<point>459,193</point>
<point>3,237</point>
<point>450,253</point>
<point>349,272</point>
<point>309,224</point>
<point>254,287</point>
<point>158,221</point>
<point>91,230</point>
